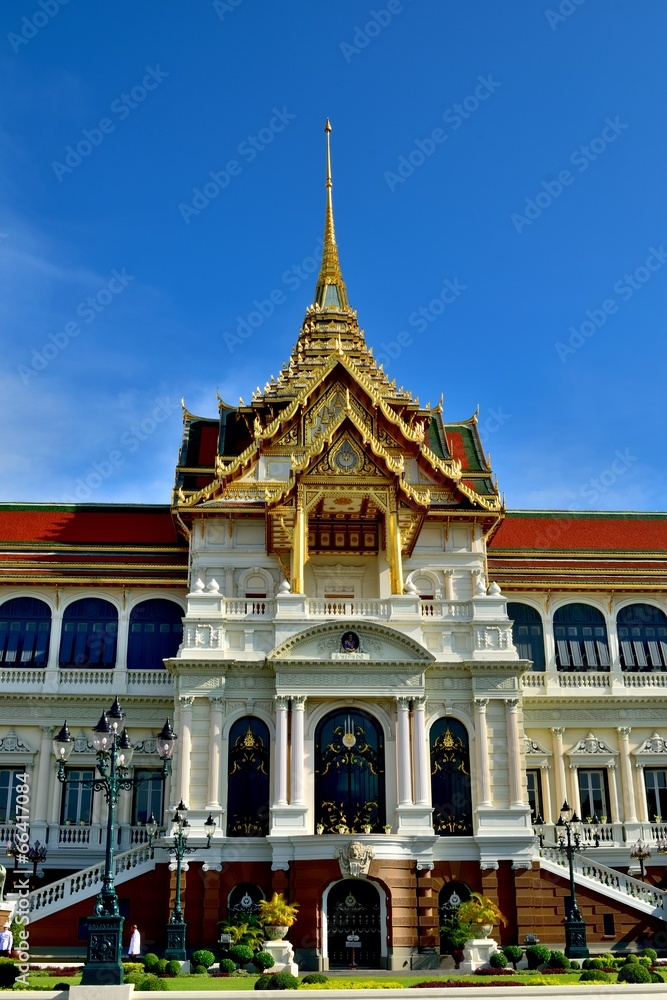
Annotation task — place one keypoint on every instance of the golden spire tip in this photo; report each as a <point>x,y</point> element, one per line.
<point>327,126</point>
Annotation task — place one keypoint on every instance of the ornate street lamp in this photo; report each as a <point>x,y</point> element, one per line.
<point>33,854</point>
<point>641,852</point>
<point>569,843</point>
<point>180,831</point>
<point>113,757</point>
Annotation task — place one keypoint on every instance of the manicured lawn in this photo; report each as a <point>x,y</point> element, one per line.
<point>195,983</point>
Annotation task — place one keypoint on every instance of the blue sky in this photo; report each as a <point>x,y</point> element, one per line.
<point>499,195</point>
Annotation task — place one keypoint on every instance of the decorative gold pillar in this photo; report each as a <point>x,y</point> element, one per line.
<point>299,545</point>
<point>394,539</point>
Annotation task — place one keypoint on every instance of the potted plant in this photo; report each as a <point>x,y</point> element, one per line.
<point>367,827</point>
<point>480,913</point>
<point>277,916</point>
<point>320,827</point>
<point>387,828</point>
<point>453,936</point>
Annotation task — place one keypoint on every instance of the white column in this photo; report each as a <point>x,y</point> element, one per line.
<point>421,756</point>
<point>482,748</point>
<point>574,797</point>
<point>298,712</point>
<point>559,767</point>
<point>513,750</point>
<point>613,794</point>
<point>547,816</point>
<point>403,741</point>
<point>41,792</point>
<point>54,640</point>
<point>629,807</point>
<point>449,588</point>
<point>281,751</point>
<point>215,748</point>
<point>185,737</point>
<point>642,799</point>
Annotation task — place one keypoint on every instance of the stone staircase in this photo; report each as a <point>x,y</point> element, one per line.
<point>88,882</point>
<point>607,881</point>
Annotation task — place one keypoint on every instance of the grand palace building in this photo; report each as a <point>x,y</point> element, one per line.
<point>379,677</point>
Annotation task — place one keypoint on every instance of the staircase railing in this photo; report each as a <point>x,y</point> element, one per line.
<point>637,893</point>
<point>85,883</point>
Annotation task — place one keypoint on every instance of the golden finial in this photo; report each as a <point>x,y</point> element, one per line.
<point>330,291</point>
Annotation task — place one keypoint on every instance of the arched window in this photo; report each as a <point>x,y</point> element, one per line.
<point>527,633</point>
<point>90,628</point>
<point>243,900</point>
<point>25,627</point>
<point>642,635</point>
<point>581,638</point>
<point>248,781</point>
<point>156,632</point>
<point>349,772</point>
<point>450,779</point>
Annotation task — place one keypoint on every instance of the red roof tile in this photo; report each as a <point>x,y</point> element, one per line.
<point>72,525</point>
<point>564,531</point>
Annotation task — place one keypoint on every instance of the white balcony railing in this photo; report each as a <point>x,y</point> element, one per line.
<point>447,610</point>
<point>583,680</point>
<point>331,608</point>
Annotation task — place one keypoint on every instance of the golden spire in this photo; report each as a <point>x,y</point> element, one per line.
<point>330,292</point>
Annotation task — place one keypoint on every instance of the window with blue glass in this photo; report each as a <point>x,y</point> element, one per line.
<point>450,779</point>
<point>248,779</point>
<point>90,629</point>
<point>25,628</point>
<point>156,632</point>
<point>76,806</point>
<point>580,634</point>
<point>642,637</point>
<point>527,633</point>
<point>349,772</point>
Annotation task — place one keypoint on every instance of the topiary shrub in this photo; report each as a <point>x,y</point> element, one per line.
<point>263,960</point>
<point>241,954</point>
<point>131,977</point>
<point>262,983</point>
<point>630,958</point>
<point>595,976</point>
<point>201,970</point>
<point>650,953</point>
<point>282,981</point>
<point>596,963</point>
<point>150,983</point>
<point>633,972</point>
<point>315,977</point>
<point>513,953</point>
<point>161,965</point>
<point>498,960</point>
<point>173,967</point>
<point>656,977</point>
<point>8,972</point>
<point>204,957</point>
<point>227,965</point>
<point>574,964</point>
<point>129,967</point>
<point>557,960</point>
<point>150,961</point>
<point>536,955</point>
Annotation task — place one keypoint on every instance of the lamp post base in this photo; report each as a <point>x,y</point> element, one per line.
<point>575,939</point>
<point>103,963</point>
<point>176,941</point>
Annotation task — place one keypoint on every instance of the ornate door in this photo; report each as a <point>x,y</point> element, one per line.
<point>353,913</point>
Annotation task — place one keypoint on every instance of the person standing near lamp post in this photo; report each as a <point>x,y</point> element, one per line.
<point>134,947</point>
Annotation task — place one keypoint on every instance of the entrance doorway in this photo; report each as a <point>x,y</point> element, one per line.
<point>353,914</point>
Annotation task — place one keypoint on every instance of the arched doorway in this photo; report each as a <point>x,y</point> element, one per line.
<point>450,779</point>
<point>354,913</point>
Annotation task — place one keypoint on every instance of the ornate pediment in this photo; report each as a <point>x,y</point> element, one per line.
<point>655,744</point>
<point>353,641</point>
<point>591,746</point>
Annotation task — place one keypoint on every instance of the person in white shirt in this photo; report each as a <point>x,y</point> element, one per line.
<point>134,947</point>
<point>6,941</point>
